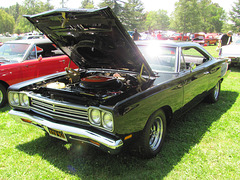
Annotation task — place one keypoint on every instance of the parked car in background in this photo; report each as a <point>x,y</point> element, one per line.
<point>232,52</point>
<point>30,37</point>
<point>162,37</point>
<point>179,37</point>
<point>22,60</point>
<point>122,92</point>
<point>205,39</point>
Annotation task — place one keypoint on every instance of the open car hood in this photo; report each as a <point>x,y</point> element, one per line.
<point>92,38</point>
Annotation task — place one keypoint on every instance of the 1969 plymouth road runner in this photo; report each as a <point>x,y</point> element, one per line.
<point>122,91</point>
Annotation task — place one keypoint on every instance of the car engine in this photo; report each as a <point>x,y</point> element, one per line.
<point>92,87</point>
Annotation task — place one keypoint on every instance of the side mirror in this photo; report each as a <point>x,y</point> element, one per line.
<point>40,57</point>
<point>192,66</point>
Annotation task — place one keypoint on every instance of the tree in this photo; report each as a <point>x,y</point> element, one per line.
<point>186,16</point>
<point>212,16</point>
<point>87,4</point>
<point>30,7</point>
<point>115,5</point>
<point>133,17</point>
<point>217,18</point>
<point>7,22</point>
<point>235,15</point>
<point>157,20</point>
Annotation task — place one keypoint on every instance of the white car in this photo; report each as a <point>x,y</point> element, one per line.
<point>232,52</point>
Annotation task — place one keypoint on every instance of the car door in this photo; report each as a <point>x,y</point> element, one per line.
<point>51,61</point>
<point>29,65</point>
<point>196,75</point>
<point>55,64</point>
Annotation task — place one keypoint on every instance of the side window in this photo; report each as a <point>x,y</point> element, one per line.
<point>194,55</point>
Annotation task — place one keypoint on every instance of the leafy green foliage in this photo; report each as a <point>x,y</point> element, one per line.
<point>115,5</point>
<point>7,22</point>
<point>87,4</point>
<point>133,16</point>
<point>157,20</point>
<point>235,15</point>
<point>186,16</point>
<point>196,16</point>
<point>17,11</point>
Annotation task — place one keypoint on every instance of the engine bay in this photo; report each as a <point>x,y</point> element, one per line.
<point>93,87</point>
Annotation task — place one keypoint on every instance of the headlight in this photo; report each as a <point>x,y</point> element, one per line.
<point>95,116</point>
<point>13,98</point>
<point>24,101</point>
<point>108,121</point>
<point>101,118</point>
<point>18,99</point>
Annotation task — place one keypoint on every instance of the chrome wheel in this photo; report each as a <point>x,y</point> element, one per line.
<point>156,133</point>
<point>152,137</point>
<point>216,90</point>
<point>214,93</point>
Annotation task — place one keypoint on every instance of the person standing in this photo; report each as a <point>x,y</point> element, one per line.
<point>159,36</point>
<point>136,35</point>
<point>226,39</point>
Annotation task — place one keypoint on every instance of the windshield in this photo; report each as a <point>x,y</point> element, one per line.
<point>160,58</point>
<point>13,52</point>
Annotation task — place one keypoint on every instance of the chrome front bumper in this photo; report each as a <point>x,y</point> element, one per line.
<point>108,144</point>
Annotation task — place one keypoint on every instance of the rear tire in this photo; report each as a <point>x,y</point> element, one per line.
<point>3,96</point>
<point>215,92</point>
<point>153,135</point>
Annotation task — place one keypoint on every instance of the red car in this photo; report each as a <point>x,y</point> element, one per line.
<point>179,37</point>
<point>202,39</point>
<point>27,59</point>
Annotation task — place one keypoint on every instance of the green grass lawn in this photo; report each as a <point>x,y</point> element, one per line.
<point>203,144</point>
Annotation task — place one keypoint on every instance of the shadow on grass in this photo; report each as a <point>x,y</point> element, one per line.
<point>87,162</point>
<point>235,68</point>
<point>5,108</point>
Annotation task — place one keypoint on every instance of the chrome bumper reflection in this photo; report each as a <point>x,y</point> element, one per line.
<point>107,144</point>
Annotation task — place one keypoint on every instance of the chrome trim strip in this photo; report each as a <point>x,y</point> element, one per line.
<point>107,144</point>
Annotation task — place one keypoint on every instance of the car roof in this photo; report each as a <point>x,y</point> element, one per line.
<point>166,43</point>
<point>172,44</point>
<point>31,41</point>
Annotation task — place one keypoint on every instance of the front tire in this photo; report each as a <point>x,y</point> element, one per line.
<point>3,96</point>
<point>215,92</point>
<point>153,135</point>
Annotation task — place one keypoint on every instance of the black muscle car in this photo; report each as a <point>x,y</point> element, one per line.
<point>122,92</point>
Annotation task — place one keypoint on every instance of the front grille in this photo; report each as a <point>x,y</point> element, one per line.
<point>59,111</point>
